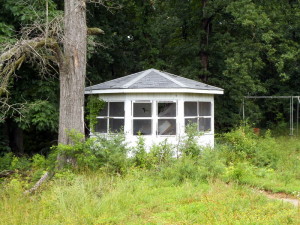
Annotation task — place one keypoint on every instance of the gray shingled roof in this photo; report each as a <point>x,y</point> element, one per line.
<point>152,78</point>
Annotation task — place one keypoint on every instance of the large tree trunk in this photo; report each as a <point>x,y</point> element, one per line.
<point>73,70</point>
<point>15,134</point>
<point>206,30</point>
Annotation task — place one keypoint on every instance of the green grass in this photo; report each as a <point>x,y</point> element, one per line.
<point>264,162</point>
<point>204,186</point>
<point>140,198</point>
<point>285,177</point>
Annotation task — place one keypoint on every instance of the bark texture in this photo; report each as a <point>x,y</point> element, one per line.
<point>73,70</point>
<point>15,134</point>
<point>206,27</point>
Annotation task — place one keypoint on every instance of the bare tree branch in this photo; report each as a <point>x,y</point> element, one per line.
<point>11,109</point>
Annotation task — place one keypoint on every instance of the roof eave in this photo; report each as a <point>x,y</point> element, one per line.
<point>155,90</point>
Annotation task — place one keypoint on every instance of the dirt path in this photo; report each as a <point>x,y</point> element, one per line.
<point>282,196</point>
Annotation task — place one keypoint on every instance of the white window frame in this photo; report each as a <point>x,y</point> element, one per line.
<point>200,117</point>
<point>157,118</point>
<point>142,118</point>
<point>108,117</point>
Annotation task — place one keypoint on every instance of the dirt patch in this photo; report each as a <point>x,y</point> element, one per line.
<point>282,197</point>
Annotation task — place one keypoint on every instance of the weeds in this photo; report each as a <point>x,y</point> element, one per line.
<point>107,186</point>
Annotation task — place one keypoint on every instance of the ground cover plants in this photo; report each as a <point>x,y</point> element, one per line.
<point>199,186</point>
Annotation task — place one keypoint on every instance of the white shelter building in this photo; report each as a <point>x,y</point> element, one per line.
<point>157,105</point>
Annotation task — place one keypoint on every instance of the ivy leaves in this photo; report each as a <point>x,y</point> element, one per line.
<point>94,105</point>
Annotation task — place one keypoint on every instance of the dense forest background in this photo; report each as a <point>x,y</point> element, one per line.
<point>246,47</point>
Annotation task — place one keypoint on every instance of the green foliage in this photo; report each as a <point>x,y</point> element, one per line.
<point>182,170</point>
<point>5,161</point>
<point>211,186</point>
<point>190,146</point>
<point>10,162</point>
<point>20,163</point>
<point>211,163</point>
<point>161,154</point>
<point>94,105</point>
<point>97,152</point>
<point>41,114</point>
<point>243,145</point>
<point>139,198</point>
<point>111,153</point>
<point>241,172</point>
<point>29,11</point>
<point>38,162</point>
<point>140,158</point>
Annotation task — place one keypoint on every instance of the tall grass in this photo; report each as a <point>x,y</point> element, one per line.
<point>262,161</point>
<point>140,197</point>
<point>202,186</point>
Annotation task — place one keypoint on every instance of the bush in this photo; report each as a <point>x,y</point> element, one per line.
<point>242,145</point>
<point>93,153</point>
<point>181,170</point>
<point>212,165</point>
<point>160,154</point>
<point>39,162</point>
<point>5,161</point>
<point>140,156</point>
<point>241,172</point>
<point>190,146</point>
<point>10,162</point>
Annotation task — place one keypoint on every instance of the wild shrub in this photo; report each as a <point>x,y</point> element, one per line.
<point>189,145</point>
<point>20,163</point>
<point>211,164</point>
<point>5,161</point>
<point>267,152</point>
<point>239,144</point>
<point>111,152</point>
<point>140,155</point>
<point>242,145</point>
<point>181,170</point>
<point>161,154</point>
<point>241,172</point>
<point>38,161</point>
<point>96,152</point>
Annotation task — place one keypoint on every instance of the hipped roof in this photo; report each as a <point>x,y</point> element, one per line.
<point>152,81</point>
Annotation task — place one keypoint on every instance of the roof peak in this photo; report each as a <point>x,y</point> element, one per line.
<point>147,72</point>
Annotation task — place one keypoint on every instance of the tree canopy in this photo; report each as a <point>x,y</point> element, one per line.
<point>244,46</point>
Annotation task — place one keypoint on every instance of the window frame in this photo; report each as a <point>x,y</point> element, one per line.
<point>133,118</point>
<point>198,117</point>
<point>108,117</point>
<point>157,118</point>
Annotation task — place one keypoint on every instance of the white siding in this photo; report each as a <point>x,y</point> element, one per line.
<point>207,139</point>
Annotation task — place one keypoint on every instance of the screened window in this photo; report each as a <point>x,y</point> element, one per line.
<point>142,118</point>
<point>166,113</point>
<point>111,118</point>
<point>198,113</point>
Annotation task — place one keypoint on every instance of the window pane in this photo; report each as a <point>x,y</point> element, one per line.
<point>142,109</point>
<point>116,125</point>
<point>204,109</point>
<point>167,127</point>
<point>204,124</point>
<point>143,127</point>
<point>101,126</point>
<point>190,109</point>
<point>166,109</point>
<point>190,121</point>
<point>116,109</point>
<point>103,111</point>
